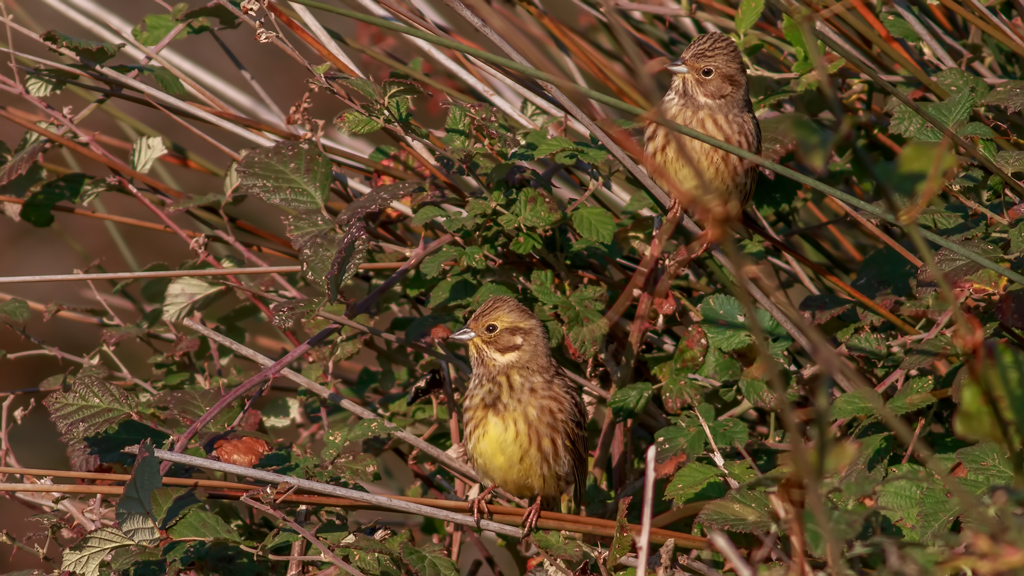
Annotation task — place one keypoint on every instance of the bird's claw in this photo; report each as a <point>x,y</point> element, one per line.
<point>480,503</point>
<point>531,517</point>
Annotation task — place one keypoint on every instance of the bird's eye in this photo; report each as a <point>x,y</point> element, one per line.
<point>707,72</point>
<point>491,328</point>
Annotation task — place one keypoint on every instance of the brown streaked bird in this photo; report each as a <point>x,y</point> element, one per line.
<point>710,94</point>
<point>525,423</point>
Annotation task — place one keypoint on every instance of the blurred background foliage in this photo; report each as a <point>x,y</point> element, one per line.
<point>839,389</point>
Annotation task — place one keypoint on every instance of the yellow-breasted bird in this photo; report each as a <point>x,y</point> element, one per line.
<point>525,423</point>
<point>710,94</point>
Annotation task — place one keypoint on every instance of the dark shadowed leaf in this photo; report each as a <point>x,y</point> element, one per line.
<point>629,402</point>
<point>741,511</point>
<point>97,52</point>
<point>425,562</point>
<point>293,175</point>
<point>134,512</point>
<point>200,524</point>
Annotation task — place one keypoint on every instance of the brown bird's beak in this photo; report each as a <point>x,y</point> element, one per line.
<point>678,67</point>
<point>464,335</point>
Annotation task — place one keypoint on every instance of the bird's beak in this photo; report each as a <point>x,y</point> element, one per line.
<point>464,335</point>
<point>678,67</point>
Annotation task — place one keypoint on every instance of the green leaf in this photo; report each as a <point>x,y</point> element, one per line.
<point>637,202</point>
<point>622,542</point>
<point>695,479</point>
<point>84,558</point>
<point>426,214</point>
<point>171,503</point>
<point>748,13</point>
<point>358,123</point>
<point>155,27</point>
<point>899,27</point>
<point>740,511</point>
<point>538,144</point>
<point>293,175</point>
<point>134,512</point>
<point>425,563</point>
<point>913,395</point>
<point>853,404</point>
<point>98,52</point>
<point>166,79</point>
<point>1009,95</point>
<point>987,464</point>
<point>558,546</point>
<point>183,295</point>
<point>951,112</point>
<point>725,322</point>
<point>594,223</point>
<point>458,127</point>
<point>89,407</point>
<point>15,310</point>
<point>628,402</point>
<point>433,265</point>
<point>201,524</point>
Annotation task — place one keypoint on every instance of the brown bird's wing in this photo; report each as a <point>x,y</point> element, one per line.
<point>749,192</point>
<point>577,443</point>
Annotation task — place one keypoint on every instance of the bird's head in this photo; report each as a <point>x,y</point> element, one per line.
<point>501,332</point>
<point>711,70</point>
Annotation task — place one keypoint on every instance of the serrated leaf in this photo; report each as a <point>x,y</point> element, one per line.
<point>594,223</point>
<point>349,255</point>
<point>15,310</point>
<point>542,283</point>
<point>98,52</point>
<point>1009,95</point>
<point>913,395</point>
<point>171,503</point>
<point>988,464</point>
<point>622,542</point>
<point>628,402</point>
<point>558,546</point>
<point>134,512</point>
<point>170,83</point>
<point>951,112</point>
<point>899,27</point>
<point>90,406</point>
<point>294,175</point>
<point>145,152</point>
<point>201,524</point>
<point>853,404</point>
<point>747,14</point>
<point>740,511</point>
<point>356,122</point>
<point>183,294</point>
<point>377,199</point>
<point>425,563</point>
<point>691,480</point>
<point>426,214</point>
<point>85,557</point>
<point>725,322</point>
<point>155,27</point>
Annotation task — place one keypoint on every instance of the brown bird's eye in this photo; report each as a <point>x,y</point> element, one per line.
<point>491,328</point>
<point>707,72</point>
